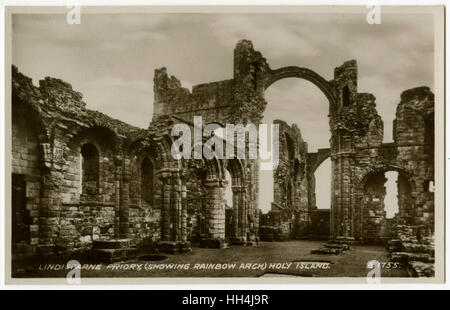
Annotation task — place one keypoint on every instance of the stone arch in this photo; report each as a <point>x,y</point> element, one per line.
<point>213,167</point>
<point>372,224</point>
<point>163,145</point>
<point>303,73</point>
<point>385,168</point>
<point>102,137</point>
<point>145,147</point>
<point>107,145</point>
<point>236,169</point>
<point>140,150</point>
<point>322,155</point>
<point>239,218</point>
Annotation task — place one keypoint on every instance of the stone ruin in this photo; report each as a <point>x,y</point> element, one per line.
<point>80,178</point>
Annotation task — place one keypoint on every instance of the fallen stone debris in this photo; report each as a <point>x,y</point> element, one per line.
<point>332,248</point>
<point>413,250</point>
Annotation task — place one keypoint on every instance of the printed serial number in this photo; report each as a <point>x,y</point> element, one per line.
<point>391,265</point>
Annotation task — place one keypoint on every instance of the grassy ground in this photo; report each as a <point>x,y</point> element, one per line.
<point>349,264</point>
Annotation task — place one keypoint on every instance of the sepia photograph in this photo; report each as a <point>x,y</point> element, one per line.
<point>250,142</point>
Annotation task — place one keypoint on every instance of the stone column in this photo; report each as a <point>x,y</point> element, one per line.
<point>50,207</point>
<point>236,207</point>
<point>50,200</point>
<point>176,207</point>
<point>215,210</point>
<point>342,200</point>
<point>183,206</point>
<point>357,215</point>
<point>117,211</point>
<point>165,204</point>
<point>125,200</point>
<point>244,204</point>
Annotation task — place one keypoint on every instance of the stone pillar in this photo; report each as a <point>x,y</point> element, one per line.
<point>165,204</point>
<point>215,209</point>
<point>342,198</point>
<point>176,207</point>
<point>50,200</point>
<point>125,200</point>
<point>357,215</point>
<point>117,211</point>
<point>183,206</point>
<point>244,215</point>
<point>50,207</point>
<point>236,207</point>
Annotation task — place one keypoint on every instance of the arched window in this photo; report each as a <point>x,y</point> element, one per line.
<point>290,147</point>
<point>345,96</point>
<point>147,180</point>
<point>90,168</point>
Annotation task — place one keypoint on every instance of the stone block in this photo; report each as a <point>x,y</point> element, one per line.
<point>326,251</point>
<point>173,247</point>
<point>112,244</point>
<point>214,243</point>
<point>110,255</point>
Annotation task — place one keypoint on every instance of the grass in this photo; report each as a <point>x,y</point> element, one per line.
<point>349,264</point>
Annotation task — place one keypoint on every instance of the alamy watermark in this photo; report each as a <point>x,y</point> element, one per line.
<point>374,275</point>
<point>73,16</point>
<point>373,17</point>
<point>249,138</point>
<point>74,274</point>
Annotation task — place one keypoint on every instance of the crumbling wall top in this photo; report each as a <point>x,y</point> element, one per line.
<point>56,99</point>
<point>61,95</point>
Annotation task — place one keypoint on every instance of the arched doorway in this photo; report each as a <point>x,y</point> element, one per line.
<point>386,201</point>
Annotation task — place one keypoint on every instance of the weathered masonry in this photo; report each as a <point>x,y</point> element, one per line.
<point>79,175</point>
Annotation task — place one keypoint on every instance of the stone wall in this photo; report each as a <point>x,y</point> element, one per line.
<point>76,167</point>
<point>58,206</point>
<point>409,155</point>
<point>26,180</point>
<point>291,184</point>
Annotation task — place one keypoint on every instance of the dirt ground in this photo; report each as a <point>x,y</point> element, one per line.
<point>281,259</point>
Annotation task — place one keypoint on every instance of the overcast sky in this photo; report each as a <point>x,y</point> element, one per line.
<point>111,59</point>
